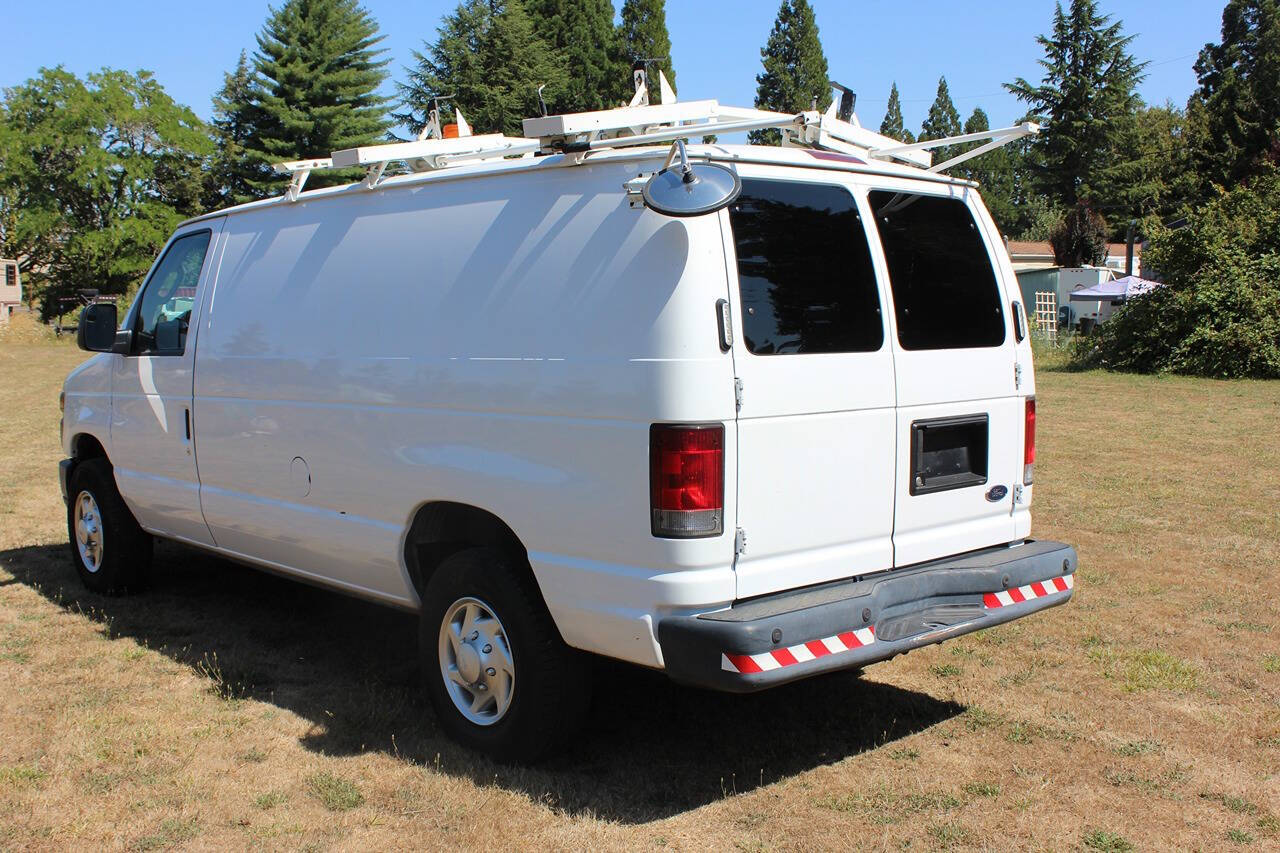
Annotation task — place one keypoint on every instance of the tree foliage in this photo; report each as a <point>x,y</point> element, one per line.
<point>795,68</point>
<point>489,59</point>
<point>892,124</point>
<point>942,121</point>
<point>317,61</point>
<point>582,32</point>
<point>1087,96</point>
<point>1080,239</point>
<point>94,175</point>
<point>644,35</point>
<point>1218,313</point>
<point>234,175</point>
<point>1238,102</point>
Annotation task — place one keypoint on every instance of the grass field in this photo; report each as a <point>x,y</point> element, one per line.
<point>230,709</point>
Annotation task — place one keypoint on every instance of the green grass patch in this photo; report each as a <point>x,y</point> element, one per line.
<point>1107,842</point>
<point>337,794</point>
<point>1138,747</point>
<point>1239,836</point>
<point>976,718</point>
<point>269,800</point>
<point>1146,669</point>
<point>946,670</point>
<point>21,775</point>
<point>1271,663</point>
<point>949,834</point>
<point>1239,805</point>
<point>982,789</point>
<point>905,754</point>
<point>171,833</point>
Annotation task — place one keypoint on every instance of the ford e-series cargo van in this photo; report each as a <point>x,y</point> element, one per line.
<point>743,414</point>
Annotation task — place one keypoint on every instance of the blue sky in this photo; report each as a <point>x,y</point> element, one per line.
<point>715,43</point>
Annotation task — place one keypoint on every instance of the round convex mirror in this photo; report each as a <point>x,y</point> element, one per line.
<point>686,189</point>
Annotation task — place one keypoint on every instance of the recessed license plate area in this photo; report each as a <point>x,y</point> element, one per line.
<point>949,453</point>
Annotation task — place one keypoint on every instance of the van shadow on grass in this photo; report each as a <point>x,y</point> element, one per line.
<point>651,749</point>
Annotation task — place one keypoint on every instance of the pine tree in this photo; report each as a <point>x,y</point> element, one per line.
<point>1086,96</point>
<point>488,58</point>
<point>1238,102</point>
<point>319,73</point>
<point>582,32</point>
<point>795,68</point>
<point>233,173</point>
<point>644,35</point>
<point>892,124</point>
<point>942,121</point>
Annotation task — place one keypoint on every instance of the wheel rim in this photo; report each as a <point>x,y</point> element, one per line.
<point>475,661</point>
<point>88,521</point>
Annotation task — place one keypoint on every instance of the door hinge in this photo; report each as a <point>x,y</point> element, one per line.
<point>1017,375</point>
<point>737,393</point>
<point>739,542</point>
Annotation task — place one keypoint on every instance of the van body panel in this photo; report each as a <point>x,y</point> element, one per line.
<point>504,344</point>
<point>152,451</point>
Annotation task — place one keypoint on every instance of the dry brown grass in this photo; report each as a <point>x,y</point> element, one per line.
<point>231,709</point>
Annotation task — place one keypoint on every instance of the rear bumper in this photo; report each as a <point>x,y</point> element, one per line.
<point>775,639</point>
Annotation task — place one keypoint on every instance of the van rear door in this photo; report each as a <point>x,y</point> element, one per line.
<point>816,417</point>
<point>960,414</point>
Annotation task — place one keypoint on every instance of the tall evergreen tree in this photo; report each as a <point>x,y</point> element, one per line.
<point>582,32</point>
<point>795,68</point>
<point>1238,102</point>
<point>892,124</point>
<point>644,35</point>
<point>942,121</point>
<point>1087,96</point>
<point>488,58</point>
<point>319,69</point>
<point>233,174</point>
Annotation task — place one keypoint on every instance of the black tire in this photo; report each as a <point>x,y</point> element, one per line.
<point>551,683</point>
<point>124,560</point>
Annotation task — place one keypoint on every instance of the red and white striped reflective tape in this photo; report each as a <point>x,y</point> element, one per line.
<point>1039,589</point>
<point>792,655</point>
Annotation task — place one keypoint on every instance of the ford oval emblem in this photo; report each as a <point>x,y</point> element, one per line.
<point>997,493</point>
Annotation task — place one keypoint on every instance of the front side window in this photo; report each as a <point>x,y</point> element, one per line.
<point>804,270</point>
<point>944,288</point>
<point>169,296</point>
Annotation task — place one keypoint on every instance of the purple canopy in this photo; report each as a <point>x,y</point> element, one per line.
<point>1115,290</point>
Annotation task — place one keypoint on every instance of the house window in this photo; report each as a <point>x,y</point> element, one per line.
<point>11,275</point>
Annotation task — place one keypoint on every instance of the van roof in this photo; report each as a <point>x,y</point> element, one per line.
<point>806,158</point>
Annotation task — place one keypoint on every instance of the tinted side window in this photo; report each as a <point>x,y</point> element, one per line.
<point>944,289</point>
<point>804,270</point>
<point>170,293</point>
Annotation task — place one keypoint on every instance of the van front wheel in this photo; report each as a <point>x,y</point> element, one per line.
<point>500,678</point>
<point>112,554</point>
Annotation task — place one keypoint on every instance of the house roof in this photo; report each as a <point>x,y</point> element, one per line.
<point>1042,248</point>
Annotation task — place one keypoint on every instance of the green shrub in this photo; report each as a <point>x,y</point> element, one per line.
<point>1219,311</point>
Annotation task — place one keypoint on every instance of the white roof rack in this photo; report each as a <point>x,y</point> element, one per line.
<point>578,134</point>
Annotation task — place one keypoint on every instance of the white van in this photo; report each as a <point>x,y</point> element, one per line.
<point>536,400</point>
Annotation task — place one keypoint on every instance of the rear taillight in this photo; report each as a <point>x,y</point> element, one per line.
<point>686,480</point>
<point>1029,443</point>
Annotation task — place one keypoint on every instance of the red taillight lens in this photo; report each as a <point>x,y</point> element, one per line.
<point>1029,443</point>
<point>686,480</point>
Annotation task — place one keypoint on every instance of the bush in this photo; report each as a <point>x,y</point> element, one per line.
<point>1080,239</point>
<point>1219,311</point>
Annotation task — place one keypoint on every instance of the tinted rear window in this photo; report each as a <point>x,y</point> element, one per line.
<point>804,270</point>
<point>944,289</point>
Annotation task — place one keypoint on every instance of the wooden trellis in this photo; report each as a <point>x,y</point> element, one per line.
<point>1047,314</point>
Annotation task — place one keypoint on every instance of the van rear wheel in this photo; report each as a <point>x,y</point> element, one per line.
<point>111,553</point>
<point>499,676</point>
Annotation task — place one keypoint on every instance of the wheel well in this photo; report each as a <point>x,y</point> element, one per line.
<point>85,446</point>
<point>443,528</point>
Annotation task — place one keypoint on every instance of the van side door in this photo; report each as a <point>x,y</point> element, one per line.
<point>816,420</point>
<point>152,422</point>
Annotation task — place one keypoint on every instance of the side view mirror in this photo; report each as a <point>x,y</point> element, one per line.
<point>97,329</point>
<point>685,189</point>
